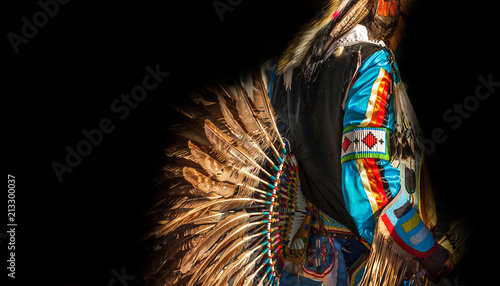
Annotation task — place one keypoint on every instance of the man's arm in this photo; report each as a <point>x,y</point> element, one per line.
<point>370,182</point>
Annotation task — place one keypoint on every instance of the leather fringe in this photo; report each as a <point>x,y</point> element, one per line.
<point>388,263</point>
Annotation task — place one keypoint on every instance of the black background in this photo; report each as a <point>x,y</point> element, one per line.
<point>77,231</point>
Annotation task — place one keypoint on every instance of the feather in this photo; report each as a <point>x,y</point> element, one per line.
<point>233,125</point>
<point>225,172</point>
<point>168,274</point>
<point>226,89</point>
<point>219,204</point>
<point>224,143</point>
<point>178,149</point>
<point>228,254</point>
<point>239,279</point>
<point>252,123</point>
<point>304,38</point>
<point>168,252</point>
<point>357,12</point>
<point>237,264</point>
<point>208,185</point>
<point>236,155</point>
<point>247,115</point>
<point>221,171</point>
<point>263,106</point>
<point>249,144</point>
<point>198,98</point>
<point>249,119</point>
<point>250,279</point>
<point>189,129</point>
<point>212,217</point>
<point>260,98</point>
<point>183,231</point>
<point>206,149</point>
<point>231,251</point>
<point>229,239</point>
<point>211,237</point>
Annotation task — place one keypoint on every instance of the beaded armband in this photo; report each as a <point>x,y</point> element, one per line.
<point>364,142</point>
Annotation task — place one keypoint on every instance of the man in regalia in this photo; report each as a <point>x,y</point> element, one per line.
<point>344,109</point>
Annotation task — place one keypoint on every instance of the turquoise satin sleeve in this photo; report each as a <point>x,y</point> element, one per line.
<point>357,202</point>
<point>359,175</point>
<point>356,198</point>
<point>359,94</point>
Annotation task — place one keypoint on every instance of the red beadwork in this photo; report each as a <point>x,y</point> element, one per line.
<point>346,143</point>
<point>370,140</point>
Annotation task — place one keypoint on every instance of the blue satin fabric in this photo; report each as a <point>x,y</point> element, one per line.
<point>354,193</point>
<point>355,197</point>
<point>357,100</point>
<point>419,237</point>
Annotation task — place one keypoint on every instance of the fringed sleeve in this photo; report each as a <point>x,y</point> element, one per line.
<point>371,185</point>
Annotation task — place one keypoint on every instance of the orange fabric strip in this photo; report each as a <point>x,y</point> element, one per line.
<point>376,186</point>
<point>379,107</point>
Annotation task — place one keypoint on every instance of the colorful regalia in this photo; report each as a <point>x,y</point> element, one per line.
<point>319,175</point>
<point>343,92</point>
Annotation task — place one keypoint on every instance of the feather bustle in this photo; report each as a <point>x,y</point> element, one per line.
<point>212,205</point>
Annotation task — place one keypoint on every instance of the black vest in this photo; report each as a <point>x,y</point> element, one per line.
<point>310,117</point>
